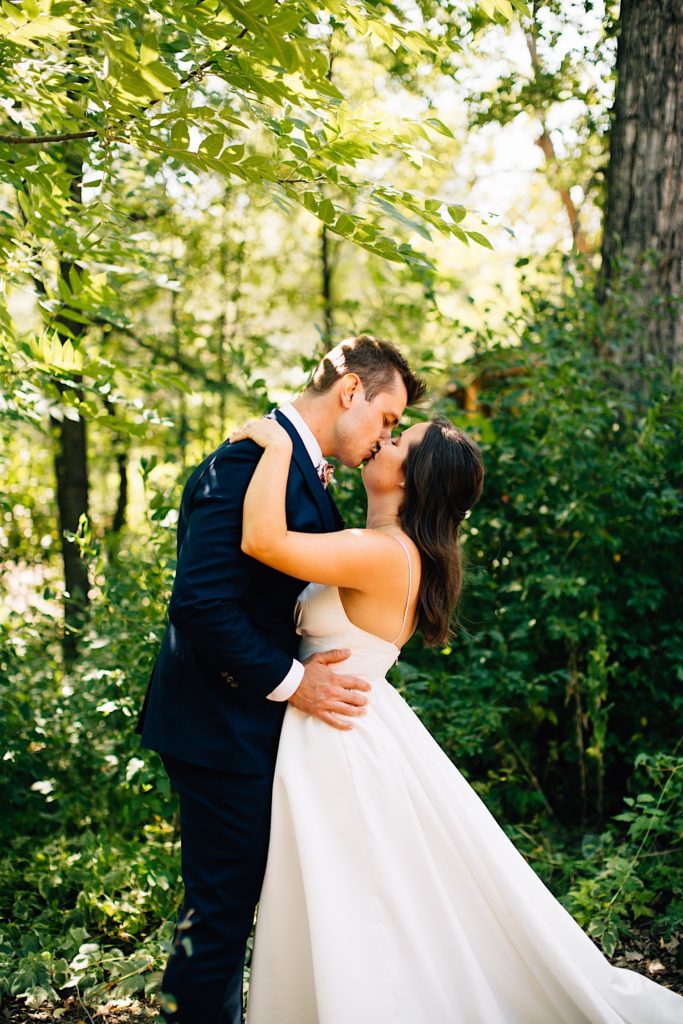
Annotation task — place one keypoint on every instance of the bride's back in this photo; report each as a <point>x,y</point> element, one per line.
<point>387,607</point>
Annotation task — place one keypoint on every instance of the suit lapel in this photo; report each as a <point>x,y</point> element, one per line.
<point>338,518</point>
<point>323,500</point>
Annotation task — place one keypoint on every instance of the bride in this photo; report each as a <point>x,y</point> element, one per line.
<point>391,895</point>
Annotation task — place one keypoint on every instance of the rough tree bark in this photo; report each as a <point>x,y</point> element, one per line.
<point>642,251</point>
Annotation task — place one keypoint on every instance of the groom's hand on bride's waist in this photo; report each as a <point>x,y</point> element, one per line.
<point>328,695</point>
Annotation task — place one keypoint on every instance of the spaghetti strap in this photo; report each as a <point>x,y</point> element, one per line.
<point>410,587</point>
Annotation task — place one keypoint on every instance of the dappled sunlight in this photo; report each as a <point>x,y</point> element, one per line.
<point>30,591</point>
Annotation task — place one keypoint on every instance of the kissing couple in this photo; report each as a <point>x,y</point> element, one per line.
<point>387,892</point>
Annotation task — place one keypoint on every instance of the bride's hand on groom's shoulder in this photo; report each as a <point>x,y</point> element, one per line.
<point>267,433</point>
<point>328,695</point>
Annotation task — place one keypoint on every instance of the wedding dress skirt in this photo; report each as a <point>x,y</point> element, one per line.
<point>392,896</point>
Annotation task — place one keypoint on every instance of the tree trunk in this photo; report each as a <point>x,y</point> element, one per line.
<point>71,471</point>
<point>121,457</point>
<point>183,426</point>
<point>326,257</point>
<point>119,520</point>
<point>328,304</point>
<point>642,250</point>
<point>71,463</point>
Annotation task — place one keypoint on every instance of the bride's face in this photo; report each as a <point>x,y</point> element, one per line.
<point>384,471</point>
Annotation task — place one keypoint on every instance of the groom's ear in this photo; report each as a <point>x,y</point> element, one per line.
<point>349,385</point>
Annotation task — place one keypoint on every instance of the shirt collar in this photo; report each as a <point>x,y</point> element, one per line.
<point>304,431</point>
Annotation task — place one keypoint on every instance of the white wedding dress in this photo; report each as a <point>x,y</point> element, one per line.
<point>392,896</point>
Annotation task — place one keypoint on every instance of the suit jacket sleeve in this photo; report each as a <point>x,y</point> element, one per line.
<point>213,573</point>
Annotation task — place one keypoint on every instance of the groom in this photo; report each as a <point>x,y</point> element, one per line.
<point>227,666</point>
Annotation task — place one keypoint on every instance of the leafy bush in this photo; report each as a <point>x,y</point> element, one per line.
<point>569,640</point>
<point>89,874</point>
<point>623,878</point>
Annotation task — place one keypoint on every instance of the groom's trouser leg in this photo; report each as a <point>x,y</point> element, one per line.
<point>224,827</point>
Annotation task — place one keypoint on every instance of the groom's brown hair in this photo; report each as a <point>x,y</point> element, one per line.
<point>375,362</point>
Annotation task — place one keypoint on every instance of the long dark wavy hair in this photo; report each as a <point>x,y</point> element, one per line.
<point>444,475</point>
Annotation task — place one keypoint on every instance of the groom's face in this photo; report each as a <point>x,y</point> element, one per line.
<point>365,425</point>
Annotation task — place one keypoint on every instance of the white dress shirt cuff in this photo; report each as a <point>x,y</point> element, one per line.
<point>289,684</point>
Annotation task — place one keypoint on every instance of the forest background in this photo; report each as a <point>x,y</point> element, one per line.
<point>198,200</point>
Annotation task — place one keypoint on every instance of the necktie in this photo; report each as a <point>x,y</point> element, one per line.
<point>325,472</point>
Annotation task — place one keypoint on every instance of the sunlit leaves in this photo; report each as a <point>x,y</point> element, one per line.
<point>55,355</point>
<point>263,57</point>
<point>239,93</point>
<point>30,23</point>
<point>503,10</point>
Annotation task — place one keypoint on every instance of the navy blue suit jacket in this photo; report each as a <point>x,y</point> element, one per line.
<point>231,636</point>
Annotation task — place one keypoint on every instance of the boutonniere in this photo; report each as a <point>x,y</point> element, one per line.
<point>325,472</point>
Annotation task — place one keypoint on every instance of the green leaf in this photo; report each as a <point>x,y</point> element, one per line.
<point>160,77</point>
<point>310,201</point>
<point>458,213</point>
<point>505,8</point>
<point>75,280</point>
<point>14,14</point>
<point>43,27</point>
<point>212,145</point>
<point>434,122</point>
<point>260,7</point>
<point>480,239</point>
<point>401,218</point>
<point>24,203</point>
<point>326,211</point>
<point>149,48</point>
<point>61,357</point>
<point>135,86</point>
<point>180,135</point>
<point>384,32</point>
<point>345,225</point>
<point>233,154</point>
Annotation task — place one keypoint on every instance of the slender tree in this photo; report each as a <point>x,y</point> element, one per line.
<point>642,249</point>
<point>70,441</point>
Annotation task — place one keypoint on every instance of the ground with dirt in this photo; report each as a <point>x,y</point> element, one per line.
<point>663,962</point>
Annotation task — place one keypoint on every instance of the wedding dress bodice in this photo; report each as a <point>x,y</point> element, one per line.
<point>323,625</point>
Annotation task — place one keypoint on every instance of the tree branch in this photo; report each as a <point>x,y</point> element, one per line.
<point>166,357</point>
<point>110,131</point>
<point>32,140</point>
<point>545,144</point>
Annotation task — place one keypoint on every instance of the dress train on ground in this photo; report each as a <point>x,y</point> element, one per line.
<point>392,896</point>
